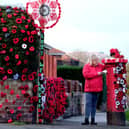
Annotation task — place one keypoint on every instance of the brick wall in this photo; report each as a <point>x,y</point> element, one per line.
<point>15,101</point>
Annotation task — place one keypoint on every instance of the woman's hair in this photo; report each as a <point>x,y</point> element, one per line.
<point>92,57</point>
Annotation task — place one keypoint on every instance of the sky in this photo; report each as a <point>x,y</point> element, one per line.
<point>89,25</point>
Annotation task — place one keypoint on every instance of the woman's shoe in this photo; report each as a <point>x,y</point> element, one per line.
<point>93,121</point>
<point>86,122</point>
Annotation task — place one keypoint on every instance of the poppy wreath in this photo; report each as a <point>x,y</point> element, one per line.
<point>55,99</point>
<point>46,12</point>
<point>19,55</point>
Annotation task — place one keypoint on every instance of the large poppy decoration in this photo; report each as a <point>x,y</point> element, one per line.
<point>46,13</point>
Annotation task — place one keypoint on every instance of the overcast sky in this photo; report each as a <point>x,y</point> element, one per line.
<point>90,25</point>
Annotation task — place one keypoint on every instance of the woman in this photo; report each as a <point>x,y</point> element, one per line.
<point>92,73</point>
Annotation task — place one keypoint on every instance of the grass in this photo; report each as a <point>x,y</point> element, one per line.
<point>18,123</point>
<point>127,115</point>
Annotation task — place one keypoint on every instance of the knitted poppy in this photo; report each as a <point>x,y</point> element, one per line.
<point>12,92</point>
<point>23,31</point>
<point>26,87</point>
<point>26,26</point>
<point>4,29</point>
<point>11,111</point>
<point>18,116</point>
<point>15,40</point>
<point>25,61</point>
<point>4,78</point>
<point>10,120</point>
<point>16,56</point>
<point>24,70</point>
<point>18,63</point>
<point>14,31</point>
<point>11,49</point>
<point>31,39</point>
<point>17,96</point>
<point>25,39</point>
<point>7,58</point>
<point>27,53</point>
<point>0,38</point>
<point>23,77</point>
<point>1,105</point>
<point>19,108</point>
<point>7,87</point>
<point>32,49</point>
<point>23,92</point>
<point>31,109</point>
<point>23,17</point>
<point>18,20</point>
<point>4,45</point>
<point>9,15</point>
<point>31,77</point>
<point>2,20</point>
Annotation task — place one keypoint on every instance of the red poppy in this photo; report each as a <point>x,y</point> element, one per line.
<point>6,101</point>
<point>11,111</point>
<point>10,120</point>
<point>23,92</point>
<point>19,63</point>
<point>31,39</point>
<point>11,49</point>
<point>2,20</point>
<point>16,56</point>
<point>26,95</point>
<point>27,53</point>
<point>31,77</point>
<point>1,105</point>
<point>33,32</point>
<point>26,26</point>
<point>15,40</point>
<point>19,108</point>
<point>4,78</point>
<point>17,96</point>
<point>35,88</point>
<point>35,99</point>
<point>9,15</point>
<point>24,70</point>
<point>28,20</point>
<point>2,94</point>
<point>14,102</point>
<point>26,87</point>
<point>23,17</point>
<point>4,45</point>
<point>14,31</point>
<point>23,77</point>
<point>32,49</point>
<point>0,38</point>
<point>25,39</point>
<point>6,58</point>
<point>9,71</point>
<point>4,29</point>
<point>7,87</point>
<point>25,61</point>
<point>28,32</point>
<point>23,31</point>
<point>18,20</point>
<point>18,116</point>
<point>31,109</point>
<point>12,92</point>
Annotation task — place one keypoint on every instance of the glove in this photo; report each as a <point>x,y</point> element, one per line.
<point>104,71</point>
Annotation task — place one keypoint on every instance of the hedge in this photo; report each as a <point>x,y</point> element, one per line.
<point>70,73</point>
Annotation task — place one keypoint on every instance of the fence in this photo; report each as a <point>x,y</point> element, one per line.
<point>75,98</point>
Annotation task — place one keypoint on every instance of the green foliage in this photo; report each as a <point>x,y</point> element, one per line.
<point>127,115</point>
<point>70,73</point>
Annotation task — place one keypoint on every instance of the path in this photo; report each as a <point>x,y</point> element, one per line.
<point>70,123</point>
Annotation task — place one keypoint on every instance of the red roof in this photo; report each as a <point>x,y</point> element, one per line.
<point>55,51</point>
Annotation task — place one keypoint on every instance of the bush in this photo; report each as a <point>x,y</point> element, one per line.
<point>71,73</point>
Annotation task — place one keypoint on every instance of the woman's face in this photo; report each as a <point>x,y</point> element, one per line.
<point>95,62</point>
